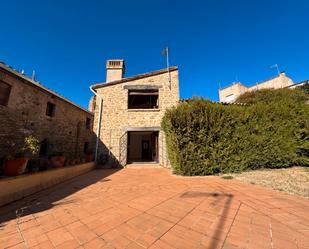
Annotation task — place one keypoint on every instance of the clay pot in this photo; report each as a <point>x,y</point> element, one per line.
<point>89,157</point>
<point>15,166</point>
<point>61,159</point>
<point>71,162</point>
<point>57,161</point>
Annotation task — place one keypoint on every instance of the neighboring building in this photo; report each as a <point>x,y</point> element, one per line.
<point>27,107</point>
<point>230,93</point>
<point>133,108</point>
<point>300,84</point>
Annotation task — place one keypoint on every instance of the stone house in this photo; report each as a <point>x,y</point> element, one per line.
<point>230,93</point>
<point>27,107</point>
<point>129,123</point>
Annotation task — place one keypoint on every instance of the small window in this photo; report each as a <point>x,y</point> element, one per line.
<point>86,146</point>
<point>5,90</point>
<point>230,98</point>
<point>88,121</point>
<point>143,99</point>
<point>50,109</point>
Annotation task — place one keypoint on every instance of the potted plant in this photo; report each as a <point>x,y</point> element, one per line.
<point>73,161</point>
<point>16,161</point>
<point>56,160</point>
<point>70,159</point>
<point>61,159</point>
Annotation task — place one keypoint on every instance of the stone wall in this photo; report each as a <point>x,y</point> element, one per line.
<point>117,119</point>
<point>15,188</point>
<point>278,82</point>
<point>26,113</point>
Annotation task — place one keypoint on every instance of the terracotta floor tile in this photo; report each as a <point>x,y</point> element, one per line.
<point>120,242</point>
<point>43,245</point>
<point>69,244</point>
<point>101,229</point>
<point>159,244</point>
<point>95,243</point>
<point>80,232</point>
<point>146,240</point>
<point>149,207</point>
<point>134,245</point>
<point>59,236</point>
<point>211,242</point>
<point>10,240</point>
<point>35,240</point>
<point>181,237</point>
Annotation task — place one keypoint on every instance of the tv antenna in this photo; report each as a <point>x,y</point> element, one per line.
<point>277,67</point>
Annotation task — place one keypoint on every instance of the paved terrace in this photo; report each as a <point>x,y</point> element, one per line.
<point>150,208</point>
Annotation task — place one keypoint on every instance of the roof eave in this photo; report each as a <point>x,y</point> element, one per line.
<point>135,77</point>
<point>7,68</point>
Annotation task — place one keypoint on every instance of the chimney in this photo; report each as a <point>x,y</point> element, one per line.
<point>115,70</point>
<point>282,73</point>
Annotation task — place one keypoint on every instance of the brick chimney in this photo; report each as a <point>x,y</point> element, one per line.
<point>115,70</point>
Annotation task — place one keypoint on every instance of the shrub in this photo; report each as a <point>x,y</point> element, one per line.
<point>271,131</point>
<point>305,87</point>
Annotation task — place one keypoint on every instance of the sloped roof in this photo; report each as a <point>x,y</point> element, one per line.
<point>38,84</point>
<point>232,84</point>
<point>135,77</point>
<point>257,83</point>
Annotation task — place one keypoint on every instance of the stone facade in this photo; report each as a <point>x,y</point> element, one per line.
<point>25,113</point>
<point>230,93</point>
<point>118,119</point>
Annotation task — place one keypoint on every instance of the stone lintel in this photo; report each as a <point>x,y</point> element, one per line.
<point>154,128</point>
<point>142,87</point>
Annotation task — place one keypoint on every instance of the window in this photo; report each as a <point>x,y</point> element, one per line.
<point>86,145</point>
<point>5,90</point>
<point>143,99</point>
<point>230,98</point>
<point>88,123</point>
<point>50,109</point>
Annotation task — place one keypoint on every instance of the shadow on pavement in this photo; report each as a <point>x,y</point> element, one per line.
<point>48,198</point>
<point>219,197</point>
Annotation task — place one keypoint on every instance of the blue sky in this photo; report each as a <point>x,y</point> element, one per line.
<point>212,42</point>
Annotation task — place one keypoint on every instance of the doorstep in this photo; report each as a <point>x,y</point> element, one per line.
<point>144,165</point>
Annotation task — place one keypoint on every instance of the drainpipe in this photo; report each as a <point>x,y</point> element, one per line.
<point>99,123</point>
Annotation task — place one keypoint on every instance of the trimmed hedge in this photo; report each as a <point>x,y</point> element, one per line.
<point>270,131</point>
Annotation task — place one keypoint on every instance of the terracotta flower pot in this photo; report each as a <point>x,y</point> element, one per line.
<point>61,160</point>
<point>89,157</point>
<point>57,161</point>
<point>15,166</point>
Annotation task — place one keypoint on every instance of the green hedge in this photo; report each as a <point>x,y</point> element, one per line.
<point>270,131</point>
